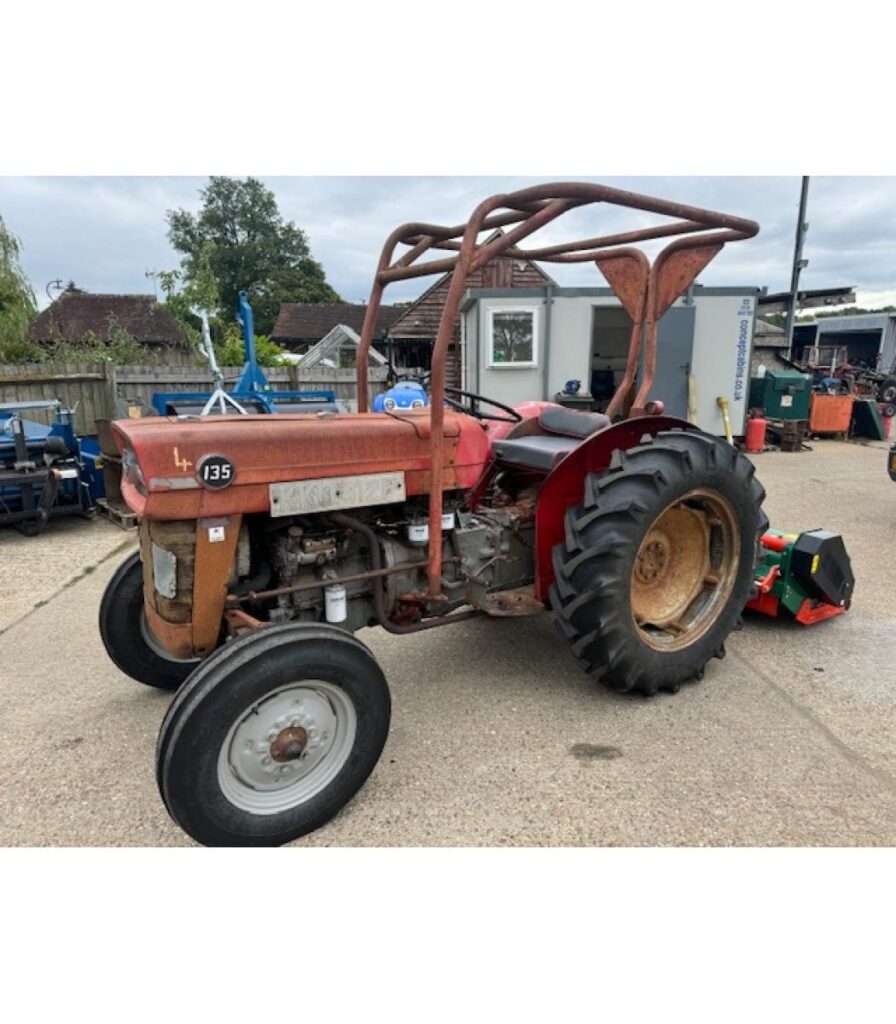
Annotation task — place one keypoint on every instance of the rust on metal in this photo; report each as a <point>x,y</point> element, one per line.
<point>319,584</point>
<point>237,621</point>
<point>379,596</point>
<point>512,603</point>
<point>175,637</point>
<point>684,569</point>
<point>523,508</point>
<point>216,542</point>
<point>289,744</point>
<point>628,273</point>
<point>676,269</point>
<point>702,233</point>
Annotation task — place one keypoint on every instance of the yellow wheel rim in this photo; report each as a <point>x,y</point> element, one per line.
<point>685,570</point>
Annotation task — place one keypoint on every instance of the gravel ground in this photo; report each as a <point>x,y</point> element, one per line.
<point>497,737</point>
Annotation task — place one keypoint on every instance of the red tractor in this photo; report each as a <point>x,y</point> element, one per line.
<point>267,541</point>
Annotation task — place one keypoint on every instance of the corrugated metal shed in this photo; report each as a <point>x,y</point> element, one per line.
<point>883,322</point>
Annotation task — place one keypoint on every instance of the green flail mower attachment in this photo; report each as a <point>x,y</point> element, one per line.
<point>806,574</point>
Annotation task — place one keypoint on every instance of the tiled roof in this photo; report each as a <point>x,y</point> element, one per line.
<point>75,314</point>
<point>307,321</point>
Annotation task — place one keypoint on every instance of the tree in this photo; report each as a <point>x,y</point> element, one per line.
<point>245,242</point>
<point>780,319</point>
<point>17,305</point>
<point>230,350</point>
<point>199,293</point>
<point>512,337</point>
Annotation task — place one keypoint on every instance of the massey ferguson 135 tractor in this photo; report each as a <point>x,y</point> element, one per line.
<point>267,541</point>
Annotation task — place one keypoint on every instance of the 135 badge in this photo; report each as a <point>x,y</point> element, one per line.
<point>215,471</point>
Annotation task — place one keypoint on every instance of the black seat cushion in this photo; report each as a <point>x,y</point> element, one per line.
<point>557,420</point>
<point>537,451</point>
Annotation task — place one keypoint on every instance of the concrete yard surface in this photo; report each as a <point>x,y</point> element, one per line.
<point>34,569</point>
<point>498,738</point>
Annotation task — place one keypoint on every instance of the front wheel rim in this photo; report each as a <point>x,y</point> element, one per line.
<point>157,648</point>
<point>287,747</point>
<point>685,570</point>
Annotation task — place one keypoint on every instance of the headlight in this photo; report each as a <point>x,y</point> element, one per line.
<point>130,470</point>
<point>389,404</point>
<point>417,403</point>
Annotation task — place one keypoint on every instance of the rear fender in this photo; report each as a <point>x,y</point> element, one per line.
<point>564,487</point>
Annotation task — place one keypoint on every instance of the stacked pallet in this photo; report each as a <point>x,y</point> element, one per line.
<point>113,506</point>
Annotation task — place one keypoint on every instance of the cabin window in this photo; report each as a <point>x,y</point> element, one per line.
<point>512,337</point>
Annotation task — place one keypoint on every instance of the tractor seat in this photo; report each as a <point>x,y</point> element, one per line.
<point>559,432</point>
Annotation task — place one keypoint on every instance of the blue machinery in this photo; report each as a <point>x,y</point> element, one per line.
<point>45,471</point>
<point>251,394</point>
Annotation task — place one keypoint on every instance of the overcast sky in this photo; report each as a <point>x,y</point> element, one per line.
<point>105,233</point>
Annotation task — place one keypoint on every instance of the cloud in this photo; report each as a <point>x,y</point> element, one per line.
<point>106,233</point>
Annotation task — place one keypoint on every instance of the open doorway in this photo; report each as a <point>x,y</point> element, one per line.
<point>611,331</point>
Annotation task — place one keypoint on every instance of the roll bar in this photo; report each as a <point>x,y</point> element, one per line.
<point>645,291</point>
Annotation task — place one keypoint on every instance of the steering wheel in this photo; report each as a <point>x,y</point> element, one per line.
<point>471,406</point>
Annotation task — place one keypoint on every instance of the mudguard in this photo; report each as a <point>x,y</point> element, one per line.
<point>564,487</point>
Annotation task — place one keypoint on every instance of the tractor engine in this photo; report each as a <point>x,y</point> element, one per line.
<point>336,567</point>
<point>482,552</point>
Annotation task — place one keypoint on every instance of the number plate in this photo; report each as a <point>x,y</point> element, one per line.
<point>303,496</point>
<point>215,471</point>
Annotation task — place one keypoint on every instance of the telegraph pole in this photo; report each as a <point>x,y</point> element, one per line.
<point>798,264</point>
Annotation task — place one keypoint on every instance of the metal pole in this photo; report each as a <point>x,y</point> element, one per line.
<point>546,355</point>
<point>798,264</point>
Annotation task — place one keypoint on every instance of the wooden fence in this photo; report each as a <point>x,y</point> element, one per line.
<point>97,391</point>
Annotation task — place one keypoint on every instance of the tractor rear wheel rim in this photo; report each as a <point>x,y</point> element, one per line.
<point>287,747</point>
<point>685,570</point>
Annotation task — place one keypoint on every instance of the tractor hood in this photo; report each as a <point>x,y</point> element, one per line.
<point>223,465</point>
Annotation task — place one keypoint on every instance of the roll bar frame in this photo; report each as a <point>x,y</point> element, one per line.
<point>645,291</point>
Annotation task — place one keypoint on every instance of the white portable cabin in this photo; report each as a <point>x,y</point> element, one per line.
<point>526,343</point>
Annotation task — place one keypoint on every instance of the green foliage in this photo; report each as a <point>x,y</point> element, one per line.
<point>17,305</point>
<point>201,290</point>
<point>230,350</point>
<point>780,319</point>
<point>199,293</point>
<point>846,311</point>
<point>168,281</point>
<point>17,350</point>
<point>240,239</point>
<point>179,306</point>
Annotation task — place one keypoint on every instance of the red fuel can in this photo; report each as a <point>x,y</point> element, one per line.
<point>754,442</point>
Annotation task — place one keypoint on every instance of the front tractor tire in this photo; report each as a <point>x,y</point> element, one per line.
<point>127,638</point>
<point>657,562</point>
<point>272,735</point>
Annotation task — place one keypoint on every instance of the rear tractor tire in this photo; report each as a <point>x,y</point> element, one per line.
<point>272,735</point>
<point>657,562</point>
